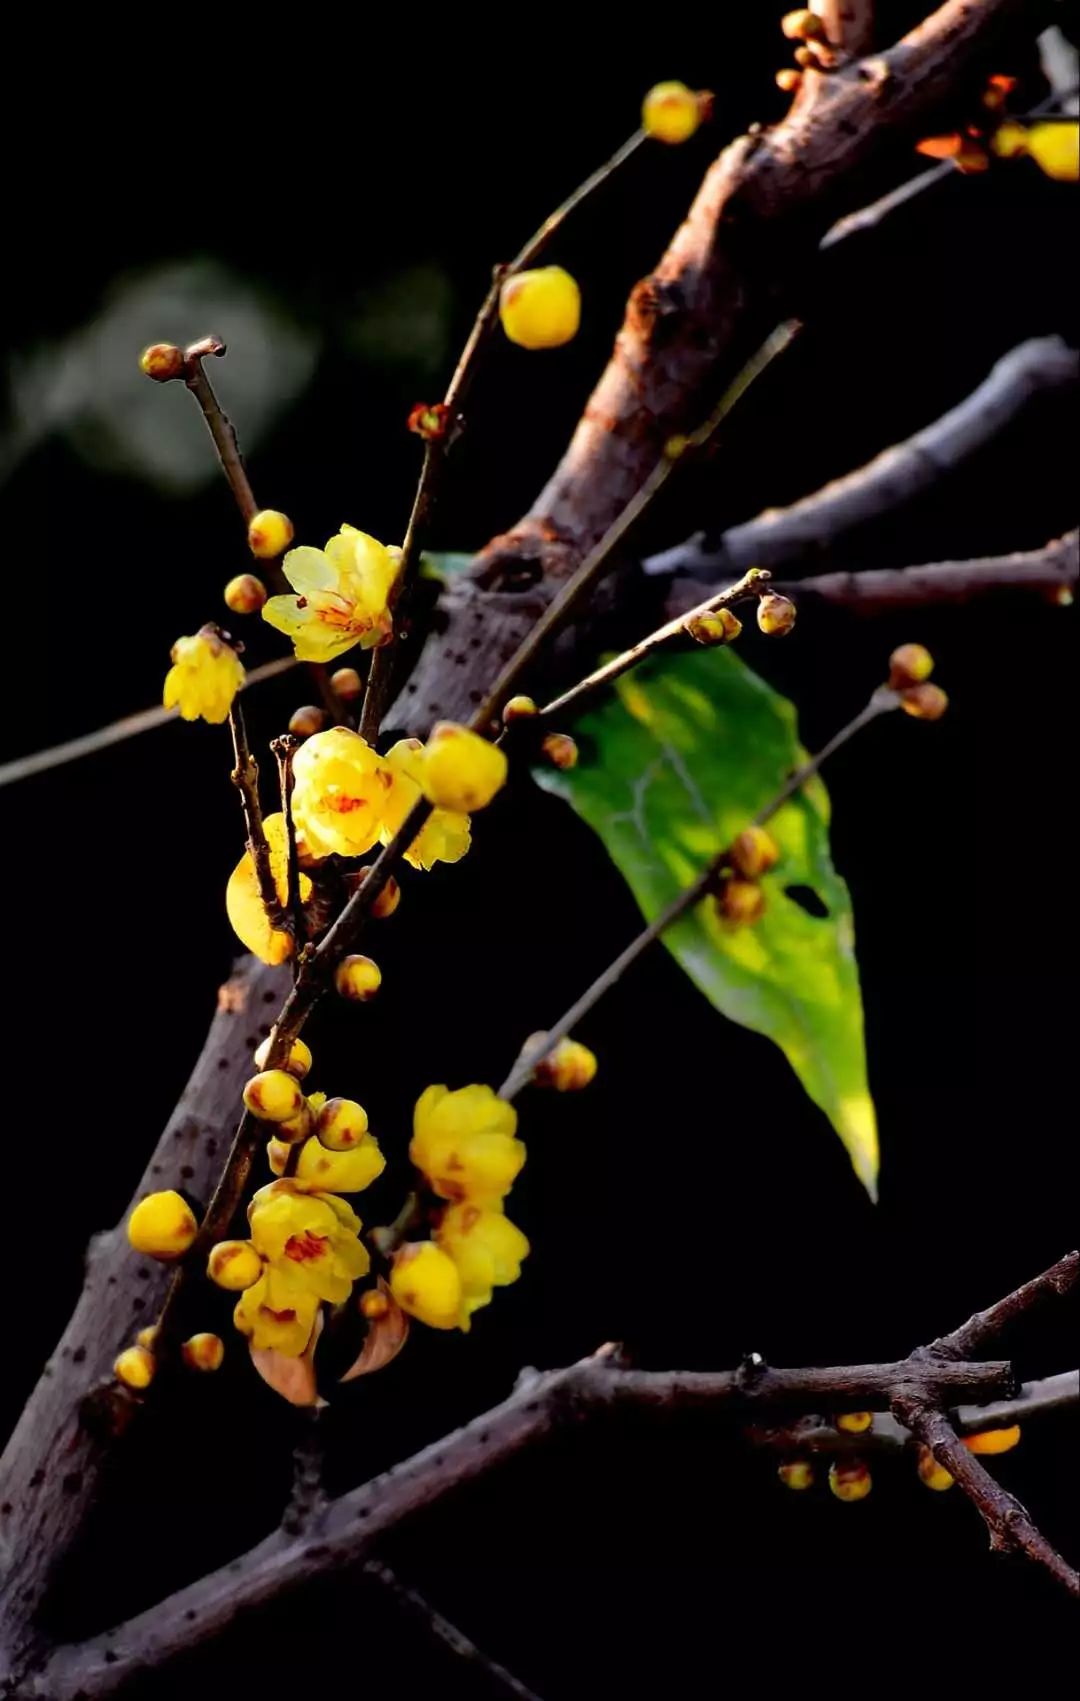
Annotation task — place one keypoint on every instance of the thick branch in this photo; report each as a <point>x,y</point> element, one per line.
<point>809,528</point>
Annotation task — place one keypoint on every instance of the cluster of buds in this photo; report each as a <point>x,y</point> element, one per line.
<point>910,668</point>
<point>812,48</point>
<point>849,1476</point>
<point>163,1226</point>
<point>739,898</point>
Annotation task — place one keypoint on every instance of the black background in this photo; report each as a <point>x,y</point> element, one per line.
<point>692,1203</point>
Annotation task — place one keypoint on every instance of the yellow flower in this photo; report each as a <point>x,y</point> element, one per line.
<point>445,835</point>
<point>464,1143</point>
<point>461,770</point>
<point>426,1284</point>
<point>486,1248</point>
<point>340,793</point>
<point>278,1312</point>
<point>205,676</point>
<point>310,1235</point>
<point>244,905</point>
<point>1053,145</point>
<point>346,1171</point>
<point>342,601</point>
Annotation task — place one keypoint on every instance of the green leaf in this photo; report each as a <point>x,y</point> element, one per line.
<point>673,765</point>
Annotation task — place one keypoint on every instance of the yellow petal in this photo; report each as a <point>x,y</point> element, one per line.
<point>309,569</point>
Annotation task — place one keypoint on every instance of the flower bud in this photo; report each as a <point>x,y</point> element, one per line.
<point>357,977</point>
<point>924,702</point>
<point>797,1474</point>
<point>740,903</point>
<point>277,1156</point>
<point>245,594</point>
<point>346,683</point>
<point>162,361</point>
<point>234,1265</point>
<point>568,1068</point>
<point>559,749</point>
<point>753,852</point>
<point>802,25</point>
<point>460,770</point>
<point>307,720</point>
<point>374,1304</point>
<point>990,1441</point>
<point>388,899</point>
<point>788,79</point>
<point>425,1282</point>
<point>911,664</point>
<point>340,1124</point>
<point>269,533</point>
<point>849,1479</point>
<point>518,709</point>
<point>935,1476</point>
<point>671,112</point>
<point>273,1096</point>
<point>162,1225</point>
<point>429,420</point>
<point>775,614</point>
<point>297,1127</point>
<point>297,1063</point>
<point>718,627</point>
<point>854,1423</point>
<point>204,1352</point>
<point>134,1367</point>
<point>540,309</point>
<point>805,57</point>
<point>148,1337</point>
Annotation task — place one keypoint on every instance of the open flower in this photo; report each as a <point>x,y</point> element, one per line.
<point>464,1143</point>
<point>205,676</point>
<point>342,596</point>
<point>278,1312</point>
<point>487,1249</point>
<point>310,1236</point>
<point>340,792</point>
<point>346,1171</point>
<point>445,835</point>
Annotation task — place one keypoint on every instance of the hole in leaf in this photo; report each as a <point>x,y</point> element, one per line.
<point>808,900</point>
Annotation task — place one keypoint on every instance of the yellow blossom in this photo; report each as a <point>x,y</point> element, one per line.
<point>278,1312</point>
<point>205,676</point>
<point>445,835</point>
<point>340,793</point>
<point>486,1248</point>
<point>342,598</point>
<point>464,1143</point>
<point>312,1235</point>
<point>460,769</point>
<point>244,906</point>
<point>426,1284</point>
<point>1053,145</point>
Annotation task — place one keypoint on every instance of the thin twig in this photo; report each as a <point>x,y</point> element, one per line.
<point>380,675</point>
<point>245,777</point>
<point>880,703</point>
<point>420,1612</point>
<point>284,749</point>
<point>745,589</point>
<point>1051,572</point>
<point>986,1326</point>
<point>219,425</point>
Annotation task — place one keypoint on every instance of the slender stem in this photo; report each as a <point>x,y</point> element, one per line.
<point>747,588</point>
<point>426,1618</point>
<point>986,1325</point>
<point>285,749</point>
<point>245,777</point>
<point>522,1072</point>
<point>380,675</point>
<point>598,558</point>
<point>220,426</point>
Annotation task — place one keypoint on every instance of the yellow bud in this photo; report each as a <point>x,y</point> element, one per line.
<point>357,977</point>
<point>273,1096</point>
<point>425,1282</point>
<point>805,57</point>
<point>924,702</point>
<point>775,614</point>
<point>740,903</point>
<point>753,852</point>
<point>204,1352</point>
<point>568,1068</point>
<point>671,112</point>
<point>518,709</point>
<point>245,594</point>
<point>855,1423</point>
<point>788,79</point>
<point>990,1441</point>
<point>162,1225</point>
<point>460,770</point>
<point>797,1474</point>
<point>134,1367</point>
<point>559,749</point>
<point>341,1124</point>
<point>849,1479</point>
<point>147,1337</point>
<point>307,720</point>
<point>374,1304</point>
<point>297,1127</point>
<point>346,683</point>
<point>935,1476</point>
<point>540,309</point>
<point>911,664</point>
<point>1054,145</point>
<point>388,899</point>
<point>802,25</point>
<point>162,361</point>
<point>234,1265</point>
<point>719,627</point>
<point>269,532</point>
<point>297,1063</point>
<point>277,1156</point>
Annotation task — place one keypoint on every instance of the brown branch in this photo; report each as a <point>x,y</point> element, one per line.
<point>219,425</point>
<point>787,537</point>
<point>1051,572</point>
<point>986,1326</point>
<point>245,777</point>
<point>284,749</point>
<point>420,1613</point>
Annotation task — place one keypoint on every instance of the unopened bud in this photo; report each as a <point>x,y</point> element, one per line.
<point>204,1352</point>
<point>269,532</point>
<point>234,1265</point>
<point>934,1476</point>
<point>134,1367</point>
<point>307,720</point>
<point>297,1063</point>
<point>797,1474</point>
<point>148,1337</point>
<point>854,1423</point>
<point>389,897</point>
<point>273,1096</point>
<point>559,749</point>
<point>430,420</point>
<point>775,614</point>
<point>298,1127</point>
<point>924,702</point>
<point>518,709</point>
<point>245,594</point>
<point>753,852</point>
<point>341,1124</point>
<point>671,112</point>
<point>788,79</point>
<point>162,1225</point>
<point>358,978</point>
<point>374,1304</point>
<point>849,1479</point>
<point>347,683</point>
<point>911,664</point>
<point>802,25</point>
<point>740,903</point>
<point>568,1068</point>
<point>718,627</point>
<point>990,1441</point>
<point>162,361</point>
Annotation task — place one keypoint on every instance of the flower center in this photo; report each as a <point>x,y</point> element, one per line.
<point>302,1248</point>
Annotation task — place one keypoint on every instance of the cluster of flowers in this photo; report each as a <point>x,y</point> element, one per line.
<point>850,1479</point>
